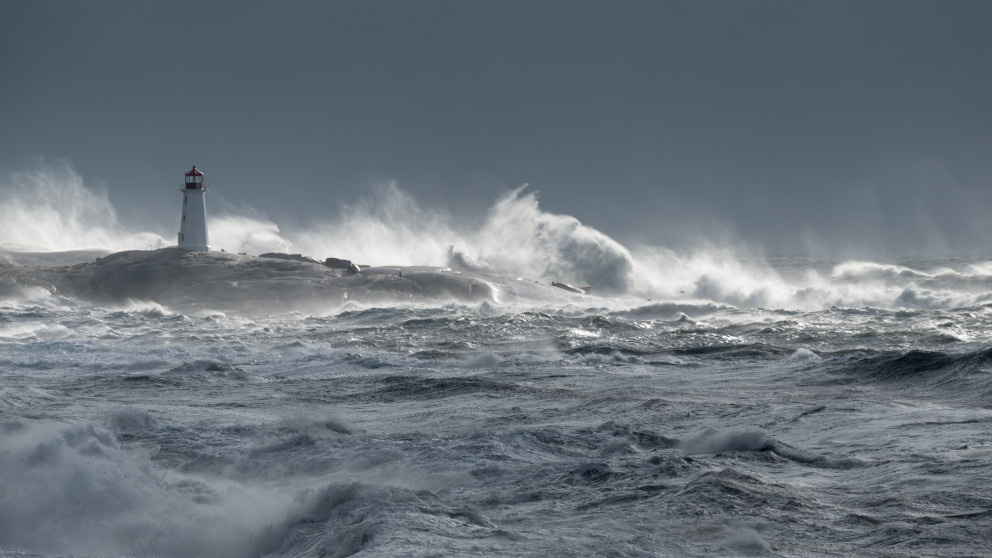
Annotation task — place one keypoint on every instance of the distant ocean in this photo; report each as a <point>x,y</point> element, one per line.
<point>787,408</point>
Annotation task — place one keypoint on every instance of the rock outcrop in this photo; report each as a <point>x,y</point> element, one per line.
<point>220,280</point>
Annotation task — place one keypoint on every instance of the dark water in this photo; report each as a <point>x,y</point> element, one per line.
<point>693,426</point>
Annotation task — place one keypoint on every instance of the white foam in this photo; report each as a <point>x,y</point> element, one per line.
<point>51,206</point>
<point>75,490</point>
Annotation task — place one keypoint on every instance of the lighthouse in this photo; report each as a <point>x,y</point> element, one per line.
<point>193,228</point>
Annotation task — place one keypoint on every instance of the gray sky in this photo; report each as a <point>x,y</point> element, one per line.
<point>827,126</point>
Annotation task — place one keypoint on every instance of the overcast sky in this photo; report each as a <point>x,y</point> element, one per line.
<point>793,125</point>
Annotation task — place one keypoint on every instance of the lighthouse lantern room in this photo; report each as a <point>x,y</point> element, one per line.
<point>193,227</point>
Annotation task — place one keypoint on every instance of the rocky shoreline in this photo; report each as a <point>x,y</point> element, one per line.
<point>221,280</point>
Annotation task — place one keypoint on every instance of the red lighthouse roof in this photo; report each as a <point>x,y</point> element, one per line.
<point>194,172</point>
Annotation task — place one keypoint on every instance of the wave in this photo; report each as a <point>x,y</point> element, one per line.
<point>51,208</point>
<point>928,367</point>
<point>82,489</point>
<point>76,489</point>
<point>937,374</point>
<point>712,441</point>
<point>516,238</point>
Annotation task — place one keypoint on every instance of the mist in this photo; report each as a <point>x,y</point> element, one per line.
<point>51,208</point>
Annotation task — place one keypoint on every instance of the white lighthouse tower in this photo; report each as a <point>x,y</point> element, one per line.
<point>193,228</point>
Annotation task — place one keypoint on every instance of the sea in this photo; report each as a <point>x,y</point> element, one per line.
<point>590,426</point>
<point>730,406</point>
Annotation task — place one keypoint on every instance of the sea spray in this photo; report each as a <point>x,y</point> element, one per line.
<point>50,208</point>
<point>251,235</point>
<point>385,227</point>
<point>516,237</point>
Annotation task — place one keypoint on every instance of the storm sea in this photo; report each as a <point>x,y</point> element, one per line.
<point>574,425</point>
<point>693,404</point>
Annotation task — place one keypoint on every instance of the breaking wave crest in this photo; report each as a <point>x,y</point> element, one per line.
<point>74,489</point>
<point>716,441</point>
<point>51,208</point>
<point>965,374</point>
<point>516,238</point>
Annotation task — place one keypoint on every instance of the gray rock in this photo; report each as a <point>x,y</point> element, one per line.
<point>224,281</point>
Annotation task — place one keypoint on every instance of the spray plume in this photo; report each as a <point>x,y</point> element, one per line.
<point>51,207</point>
